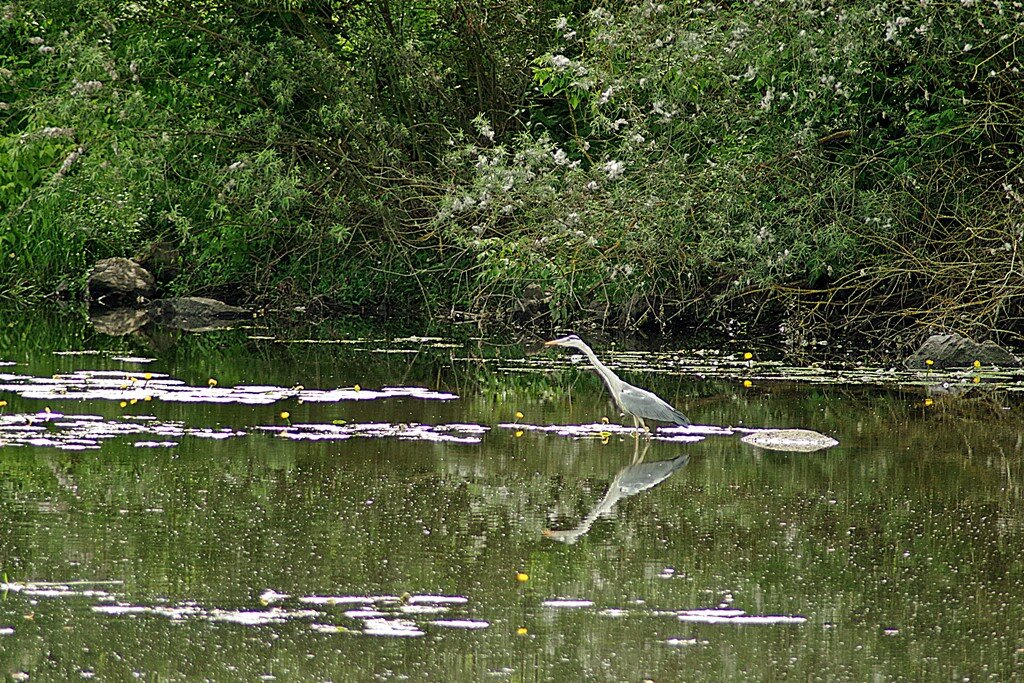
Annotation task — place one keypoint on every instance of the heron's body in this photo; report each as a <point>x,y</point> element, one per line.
<point>638,403</point>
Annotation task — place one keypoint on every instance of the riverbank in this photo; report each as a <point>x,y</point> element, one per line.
<point>808,173</point>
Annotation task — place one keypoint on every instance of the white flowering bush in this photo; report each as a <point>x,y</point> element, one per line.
<point>683,158</point>
<point>853,163</point>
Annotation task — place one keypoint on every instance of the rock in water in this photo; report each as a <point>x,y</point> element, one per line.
<point>954,351</point>
<point>794,440</point>
<point>115,282</point>
<point>195,313</point>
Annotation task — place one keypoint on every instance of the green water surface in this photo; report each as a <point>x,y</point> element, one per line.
<point>433,535</point>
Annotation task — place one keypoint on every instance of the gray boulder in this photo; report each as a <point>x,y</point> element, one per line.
<point>115,282</point>
<point>954,351</point>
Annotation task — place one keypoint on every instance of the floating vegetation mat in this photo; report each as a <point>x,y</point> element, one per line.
<point>396,616</point>
<point>737,616</point>
<point>603,430</point>
<point>705,364</point>
<point>794,440</point>
<point>371,615</point>
<point>567,603</point>
<point>117,385</point>
<point>453,433</point>
<point>88,432</point>
<point>70,589</point>
<point>373,345</point>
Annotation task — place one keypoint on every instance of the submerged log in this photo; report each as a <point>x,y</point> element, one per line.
<point>196,313</point>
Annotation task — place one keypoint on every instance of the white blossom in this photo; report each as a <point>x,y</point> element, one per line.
<point>85,87</point>
<point>613,168</point>
<point>560,61</point>
<point>893,27</point>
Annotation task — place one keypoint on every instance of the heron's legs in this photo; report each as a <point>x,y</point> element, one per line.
<point>638,423</point>
<point>638,455</point>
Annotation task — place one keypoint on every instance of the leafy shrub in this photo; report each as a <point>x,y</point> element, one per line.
<point>817,163</point>
<point>813,157</point>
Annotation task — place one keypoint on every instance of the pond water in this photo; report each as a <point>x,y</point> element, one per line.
<point>457,509</point>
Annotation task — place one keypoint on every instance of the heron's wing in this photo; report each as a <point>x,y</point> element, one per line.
<point>646,405</point>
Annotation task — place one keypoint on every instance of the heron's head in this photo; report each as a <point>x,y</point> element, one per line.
<point>570,340</point>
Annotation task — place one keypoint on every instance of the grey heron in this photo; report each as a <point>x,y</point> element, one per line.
<point>638,403</point>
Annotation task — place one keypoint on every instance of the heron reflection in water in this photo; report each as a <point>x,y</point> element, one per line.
<point>638,403</point>
<point>631,480</point>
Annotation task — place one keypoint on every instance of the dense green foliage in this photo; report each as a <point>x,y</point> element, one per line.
<point>849,162</point>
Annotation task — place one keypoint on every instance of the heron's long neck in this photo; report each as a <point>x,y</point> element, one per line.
<point>607,375</point>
